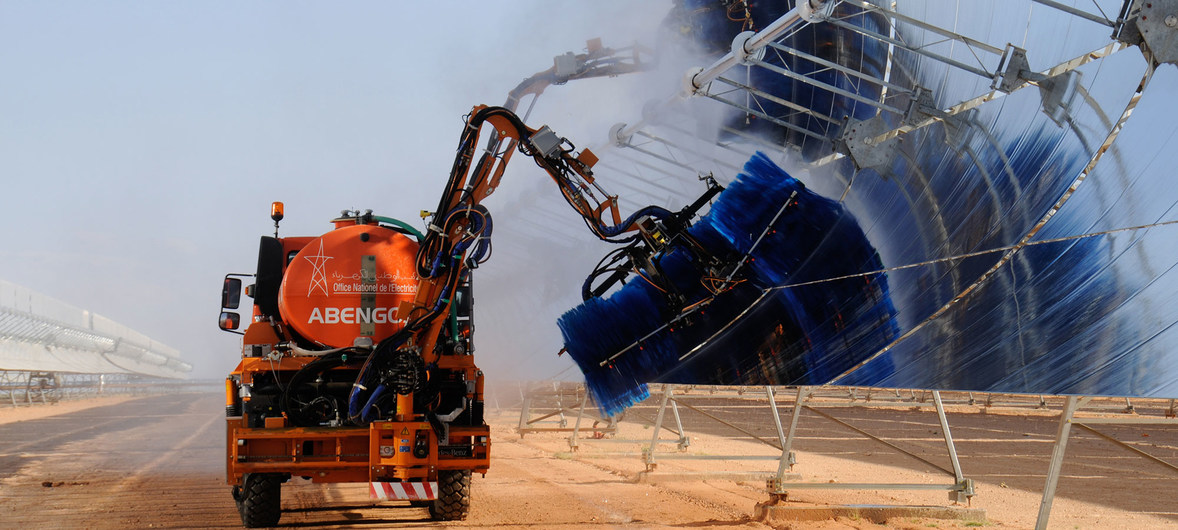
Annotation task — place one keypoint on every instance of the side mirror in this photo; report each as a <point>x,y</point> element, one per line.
<point>230,295</point>
<point>229,321</point>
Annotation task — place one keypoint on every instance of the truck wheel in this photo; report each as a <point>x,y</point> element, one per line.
<point>453,502</point>
<point>260,499</point>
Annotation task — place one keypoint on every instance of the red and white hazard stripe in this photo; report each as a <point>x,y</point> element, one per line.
<point>403,491</point>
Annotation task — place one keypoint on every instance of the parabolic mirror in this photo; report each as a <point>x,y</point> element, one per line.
<point>1007,167</point>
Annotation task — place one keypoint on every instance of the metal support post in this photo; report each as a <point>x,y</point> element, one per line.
<point>787,456</point>
<point>564,422</point>
<point>802,396</point>
<point>577,425</point>
<point>684,441</point>
<point>1061,444</point>
<point>966,485</point>
<point>648,455</point>
<point>525,410</point>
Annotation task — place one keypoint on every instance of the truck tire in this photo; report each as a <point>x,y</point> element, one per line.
<point>453,502</point>
<point>259,499</point>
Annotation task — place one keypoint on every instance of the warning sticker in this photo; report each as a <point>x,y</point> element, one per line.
<point>405,431</point>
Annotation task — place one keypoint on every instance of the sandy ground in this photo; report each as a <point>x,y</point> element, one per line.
<point>1005,450</point>
<point>9,414</point>
<point>158,462</point>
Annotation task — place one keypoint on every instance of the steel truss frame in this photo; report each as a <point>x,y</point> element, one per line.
<point>781,481</point>
<point>1073,414</point>
<point>24,388</point>
<point>553,400</point>
<point>901,110</point>
<point>960,490</point>
<point>778,481</point>
<point>33,387</point>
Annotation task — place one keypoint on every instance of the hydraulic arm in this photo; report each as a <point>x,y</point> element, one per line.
<point>458,234</point>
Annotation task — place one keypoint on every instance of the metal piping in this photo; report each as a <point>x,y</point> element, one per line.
<point>696,78</point>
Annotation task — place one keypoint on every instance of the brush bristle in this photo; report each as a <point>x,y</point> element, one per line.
<point>813,238</point>
<point>601,327</point>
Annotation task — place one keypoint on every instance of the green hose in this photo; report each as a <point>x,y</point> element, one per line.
<point>402,224</point>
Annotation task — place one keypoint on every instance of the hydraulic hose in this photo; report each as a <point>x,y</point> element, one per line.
<point>304,375</point>
<point>402,224</point>
<point>366,415</point>
<point>355,407</point>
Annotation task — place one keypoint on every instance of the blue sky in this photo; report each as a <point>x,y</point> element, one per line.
<point>142,143</point>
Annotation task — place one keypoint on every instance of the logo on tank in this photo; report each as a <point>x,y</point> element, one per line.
<point>358,282</point>
<point>318,272</point>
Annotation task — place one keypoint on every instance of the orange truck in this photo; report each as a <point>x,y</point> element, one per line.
<point>357,357</point>
<point>321,305</point>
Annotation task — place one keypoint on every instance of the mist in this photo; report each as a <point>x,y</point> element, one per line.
<point>140,148</point>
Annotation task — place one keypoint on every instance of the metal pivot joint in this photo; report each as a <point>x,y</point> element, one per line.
<point>1153,25</point>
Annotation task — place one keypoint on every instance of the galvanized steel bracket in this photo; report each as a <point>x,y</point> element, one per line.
<point>1014,70</point>
<point>872,143</point>
<point>1153,25</point>
<point>860,140</point>
<point>1158,23</point>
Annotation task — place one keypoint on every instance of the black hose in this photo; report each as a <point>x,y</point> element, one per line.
<point>312,369</point>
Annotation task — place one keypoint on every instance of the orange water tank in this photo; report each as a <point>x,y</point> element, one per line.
<point>348,284</point>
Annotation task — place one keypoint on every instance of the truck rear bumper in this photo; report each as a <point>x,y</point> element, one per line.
<point>382,452</point>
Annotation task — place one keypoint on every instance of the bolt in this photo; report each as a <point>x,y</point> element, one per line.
<point>1172,21</point>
